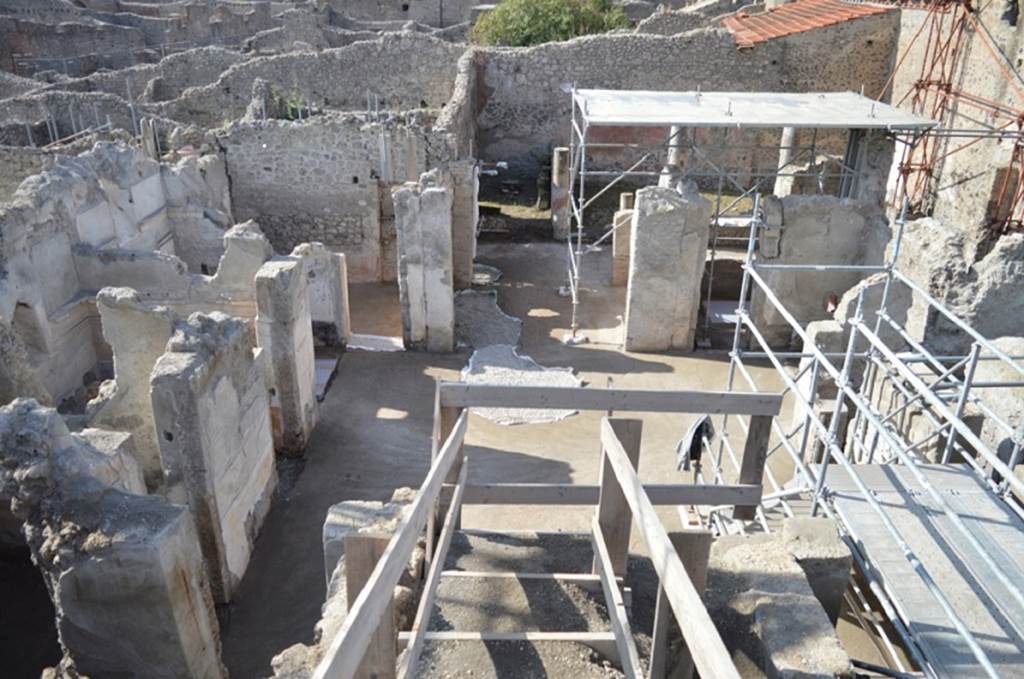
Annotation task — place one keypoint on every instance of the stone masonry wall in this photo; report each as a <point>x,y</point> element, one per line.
<point>16,164</point>
<point>522,112</point>
<point>405,71</point>
<point>322,180</point>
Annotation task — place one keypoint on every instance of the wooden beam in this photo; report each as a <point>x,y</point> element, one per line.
<point>693,548</point>
<point>444,420</point>
<point>459,394</point>
<point>362,552</point>
<point>568,494</point>
<point>629,658</point>
<point>426,605</point>
<point>350,643</point>
<point>709,653</point>
<point>602,642</point>
<point>755,455</point>
<point>612,510</point>
<point>587,581</point>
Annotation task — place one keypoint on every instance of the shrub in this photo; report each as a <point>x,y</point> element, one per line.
<point>520,23</point>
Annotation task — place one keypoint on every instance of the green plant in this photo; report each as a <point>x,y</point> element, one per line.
<point>520,23</point>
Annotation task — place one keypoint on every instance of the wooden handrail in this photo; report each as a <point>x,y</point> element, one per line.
<point>702,638</point>
<point>460,394</point>
<point>426,605</point>
<point>350,643</point>
<point>574,494</point>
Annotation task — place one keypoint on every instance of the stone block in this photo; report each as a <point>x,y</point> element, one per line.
<point>623,223</point>
<point>767,613</point>
<point>561,201</point>
<point>137,333</point>
<point>124,570</point>
<point>423,214</point>
<point>327,283</point>
<point>465,213</point>
<point>668,247</point>
<point>285,330</point>
<point>824,558</point>
<point>212,412</point>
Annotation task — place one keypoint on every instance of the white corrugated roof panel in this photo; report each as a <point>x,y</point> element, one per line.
<point>843,110</point>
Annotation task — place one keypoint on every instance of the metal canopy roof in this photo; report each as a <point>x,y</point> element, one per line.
<point>841,110</point>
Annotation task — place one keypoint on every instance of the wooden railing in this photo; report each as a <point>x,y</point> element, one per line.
<point>367,643</point>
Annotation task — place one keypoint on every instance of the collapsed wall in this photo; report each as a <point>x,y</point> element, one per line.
<point>982,283</point>
<point>120,566</point>
<point>113,198</point>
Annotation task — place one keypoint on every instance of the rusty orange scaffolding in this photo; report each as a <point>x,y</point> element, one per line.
<point>937,94</point>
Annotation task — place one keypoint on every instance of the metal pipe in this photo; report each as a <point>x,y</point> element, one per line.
<point>895,445</point>
<point>962,401</point>
<point>865,492</point>
<point>820,267</point>
<point>842,382</point>
<point>939,405</point>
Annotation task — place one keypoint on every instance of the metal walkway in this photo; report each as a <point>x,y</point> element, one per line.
<point>995,618</point>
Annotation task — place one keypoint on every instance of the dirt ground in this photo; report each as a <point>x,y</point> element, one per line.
<point>375,423</point>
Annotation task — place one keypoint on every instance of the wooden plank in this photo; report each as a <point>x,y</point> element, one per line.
<point>755,454</point>
<point>602,642</point>
<point>629,658</point>
<point>350,643</point>
<point>426,605</point>
<point>587,581</point>
<point>612,510</point>
<point>693,548</point>
<point>568,494</point>
<point>709,653</point>
<point>459,394</point>
<point>362,552</point>
<point>444,420</point>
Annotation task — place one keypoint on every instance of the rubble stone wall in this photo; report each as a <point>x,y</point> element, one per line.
<point>405,71</point>
<point>16,164</point>
<point>523,111</point>
<point>111,198</point>
<point>325,180</point>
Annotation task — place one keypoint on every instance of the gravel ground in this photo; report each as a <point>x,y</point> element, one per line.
<point>481,604</point>
<point>512,660</point>
<point>500,364</point>
<point>472,604</point>
<point>480,322</point>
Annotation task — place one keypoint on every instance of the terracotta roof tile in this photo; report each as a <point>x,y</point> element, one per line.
<point>795,17</point>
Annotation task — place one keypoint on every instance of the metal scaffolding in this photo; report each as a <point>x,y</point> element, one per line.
<point>681,155</point>
<point>878,385</point>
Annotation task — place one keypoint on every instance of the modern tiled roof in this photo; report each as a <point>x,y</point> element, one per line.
<point>795,17</point>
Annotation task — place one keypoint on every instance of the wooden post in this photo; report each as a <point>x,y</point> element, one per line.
<point>693,548</point>
<point>444,421</point>
<point>613,513</point>
<point>362,551</point>
<point>755,454</point>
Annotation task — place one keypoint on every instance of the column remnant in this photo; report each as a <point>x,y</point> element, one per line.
<point>423,218</point>
<point>668,246</point>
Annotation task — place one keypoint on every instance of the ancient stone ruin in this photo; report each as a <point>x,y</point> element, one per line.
<point>336,341</point>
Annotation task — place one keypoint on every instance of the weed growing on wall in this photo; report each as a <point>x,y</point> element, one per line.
<point>520,23</point>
